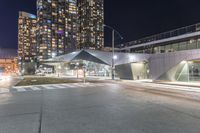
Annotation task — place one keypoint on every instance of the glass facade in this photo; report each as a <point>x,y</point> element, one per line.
<point>185,38</point>
<point>194,70</point>
<point>61,26</point>
<point>57,25</point>
<point>27,37</point>
<point>189,44</point>
<point>76,68</point>
<point>186,71</point>
<point>165,35</point>
<point>91,20</point>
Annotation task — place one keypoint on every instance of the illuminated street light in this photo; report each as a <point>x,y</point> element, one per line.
<point>73,52</point>
<point>183,62</point>
<point>113,48</point>
<point>115,57</point>
<point>59,70</point>
<point>54,55</point>
<point>132,58</point>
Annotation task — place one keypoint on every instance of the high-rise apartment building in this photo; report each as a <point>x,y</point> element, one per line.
<point>61,26</point>
<point>91,21</point>
<point>27,37</point>
<point>57,24</point>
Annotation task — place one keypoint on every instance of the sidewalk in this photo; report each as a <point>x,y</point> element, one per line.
<point>179,86</point>
<point>188,84</point>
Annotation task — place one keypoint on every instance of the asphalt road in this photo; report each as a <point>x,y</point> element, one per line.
<point>110,108</point>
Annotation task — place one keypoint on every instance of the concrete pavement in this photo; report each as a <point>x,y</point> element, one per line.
<point>110,108</point>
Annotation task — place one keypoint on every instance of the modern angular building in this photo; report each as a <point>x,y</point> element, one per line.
<point>57,24</point>
<point>185,38</point>
<point>175,55</point>
<point>27,44</point>
<point>91,24</point>
<point>169,56</point>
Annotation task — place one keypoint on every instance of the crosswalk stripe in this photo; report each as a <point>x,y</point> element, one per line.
<point>35,88</point>
<point>69,85</point>
<point>99,85</point>
<point>3,90</point>
<point>62,85</point>
<point>80,85</point>
<point>90,85</point>
<point>49,87</point>
<point>20,89</point>
<point>73,85</point>
<point>59,86</point>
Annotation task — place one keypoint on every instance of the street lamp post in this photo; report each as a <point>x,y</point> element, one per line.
<point>59,70</point>
<point>113,54</point>
<point>113,49</point>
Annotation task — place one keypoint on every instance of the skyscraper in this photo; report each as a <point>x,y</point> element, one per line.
<point>27,37</point>
<point>91,21</point>
<point>63,26</point>
<point>57,25</point>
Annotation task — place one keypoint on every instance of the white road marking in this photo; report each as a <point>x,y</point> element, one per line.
<point>69,85</point>
<point>49,87</point>
<point>59,86</point>
<point>99,85</point>
<point>80,85</point>
<point>34,88</point>
<point>3,90</point>
<point>20,89</point>
<point>90,85</point>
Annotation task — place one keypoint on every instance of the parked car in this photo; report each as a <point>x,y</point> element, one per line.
<point>39,73</point>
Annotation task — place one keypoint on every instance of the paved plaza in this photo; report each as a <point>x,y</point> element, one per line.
<point>97,108</point>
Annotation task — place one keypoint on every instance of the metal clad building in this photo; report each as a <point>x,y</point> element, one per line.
<point>172,56</point>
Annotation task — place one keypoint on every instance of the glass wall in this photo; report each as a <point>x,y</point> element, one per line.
<point>194,70</point>
<point>186,71</point>
<point>76,68</point>
<point>171,47</point>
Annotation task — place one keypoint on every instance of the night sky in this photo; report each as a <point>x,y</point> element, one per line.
<point>134,19</point>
